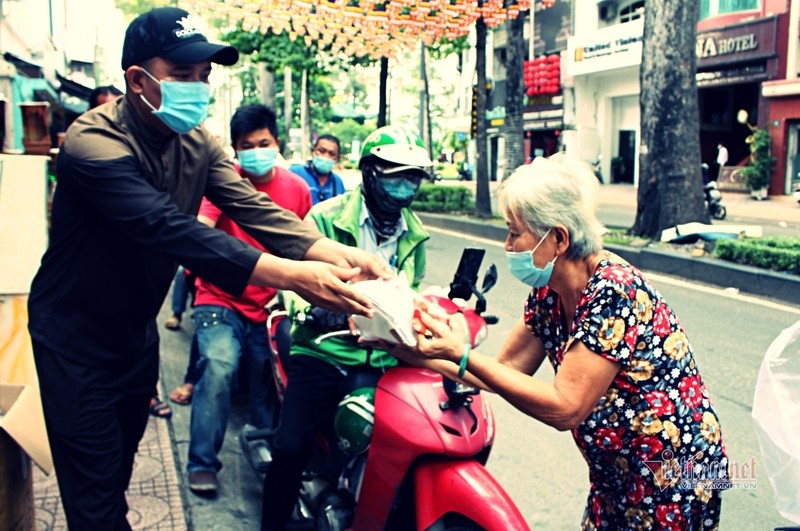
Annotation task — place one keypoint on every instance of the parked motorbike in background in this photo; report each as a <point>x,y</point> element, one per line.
<point>713,200</point>
<point>428,440</point>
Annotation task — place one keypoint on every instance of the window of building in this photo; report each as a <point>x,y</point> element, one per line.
<point>712,8</point>
<point>632,11</point>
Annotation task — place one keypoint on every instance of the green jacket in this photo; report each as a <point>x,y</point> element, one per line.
<point>338,218</point>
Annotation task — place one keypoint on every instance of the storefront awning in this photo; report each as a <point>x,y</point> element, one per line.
<point>23,65</point>
<point>73,88</point>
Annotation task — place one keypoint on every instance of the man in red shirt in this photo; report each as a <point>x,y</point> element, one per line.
<point>229,329</point>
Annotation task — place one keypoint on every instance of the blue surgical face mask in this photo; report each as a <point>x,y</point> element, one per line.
<point>258,161</point>
<point>522,267</point>
<point>399,188</point>
<point>323,165</point>
<point>184,104</point>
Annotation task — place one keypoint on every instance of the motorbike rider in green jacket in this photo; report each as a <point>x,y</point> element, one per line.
<point>375,217</point>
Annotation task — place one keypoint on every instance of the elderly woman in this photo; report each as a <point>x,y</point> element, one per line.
<point>626,380</point>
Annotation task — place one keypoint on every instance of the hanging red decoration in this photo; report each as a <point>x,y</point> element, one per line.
<point>382,29</point>
<point>542,75</point>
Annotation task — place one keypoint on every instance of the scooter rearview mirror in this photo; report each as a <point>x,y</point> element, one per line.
<point>489,279</point>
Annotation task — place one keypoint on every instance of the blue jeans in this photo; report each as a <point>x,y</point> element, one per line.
<point>223,338</point>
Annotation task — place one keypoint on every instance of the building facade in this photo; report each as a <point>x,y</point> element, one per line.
<point>743,48</point>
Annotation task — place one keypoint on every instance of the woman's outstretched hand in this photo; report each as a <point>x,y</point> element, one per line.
<point>435,338</point>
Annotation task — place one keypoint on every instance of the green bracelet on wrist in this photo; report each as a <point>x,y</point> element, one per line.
<point>462,366</point>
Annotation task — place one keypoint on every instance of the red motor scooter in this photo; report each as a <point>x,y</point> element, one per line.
<point>431,438</point>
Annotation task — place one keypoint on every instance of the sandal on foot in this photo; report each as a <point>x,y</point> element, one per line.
<point>182,394</point>
<point>160,409</point>
<point>173,322</point>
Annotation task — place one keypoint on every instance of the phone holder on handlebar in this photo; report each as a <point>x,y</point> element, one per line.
<point>465,281</point>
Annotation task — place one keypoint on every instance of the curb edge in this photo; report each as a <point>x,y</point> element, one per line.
<point>746,279</point>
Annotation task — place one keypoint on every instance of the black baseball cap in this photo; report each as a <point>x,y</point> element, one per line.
<point>173,34</point>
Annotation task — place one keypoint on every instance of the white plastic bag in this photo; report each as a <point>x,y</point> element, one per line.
<point>776,412</point>
<point>393,303</point>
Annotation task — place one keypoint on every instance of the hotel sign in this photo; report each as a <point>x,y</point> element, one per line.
<point>748,41</point>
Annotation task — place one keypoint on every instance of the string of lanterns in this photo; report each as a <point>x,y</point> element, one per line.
<point>542,76</point>
<point>363,27</point>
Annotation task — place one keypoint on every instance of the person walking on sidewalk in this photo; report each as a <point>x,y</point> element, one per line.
<point>722,160</point>
<point>228,328</point>
<point>318,172</point>
<point>131,177</point>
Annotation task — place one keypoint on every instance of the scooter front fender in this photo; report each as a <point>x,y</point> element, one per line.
<point>465,488</point>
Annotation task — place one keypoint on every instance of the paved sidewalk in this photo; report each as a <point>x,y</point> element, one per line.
<point>154,497</point>
<point>782,208</point>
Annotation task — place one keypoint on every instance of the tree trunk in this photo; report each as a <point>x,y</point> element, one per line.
<point>424,103</point>
<point>287,111</point>
<point>305,119</point>
<point>383,106</point>
<point>483,204</point>
<point>512,127</point>
<point>670,182</point>
<point>267,82</point>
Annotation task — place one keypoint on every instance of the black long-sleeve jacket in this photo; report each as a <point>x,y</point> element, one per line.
<point>124,216</point>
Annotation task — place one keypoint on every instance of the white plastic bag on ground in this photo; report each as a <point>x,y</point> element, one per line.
<point>776,411</point>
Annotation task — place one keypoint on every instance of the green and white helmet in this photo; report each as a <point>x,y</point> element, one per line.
<point>353,422</point>
<point>398,145</point>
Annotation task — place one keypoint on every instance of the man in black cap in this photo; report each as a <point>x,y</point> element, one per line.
<point>131,176</point>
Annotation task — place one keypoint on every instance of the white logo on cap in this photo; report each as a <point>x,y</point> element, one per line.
<point>190,24</point>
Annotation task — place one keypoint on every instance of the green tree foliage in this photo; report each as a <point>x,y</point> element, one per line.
<point>276,50</point>
<point>349,130</point>
<point>249,80</point>
<point>446,47</point>
<point>320,92</point>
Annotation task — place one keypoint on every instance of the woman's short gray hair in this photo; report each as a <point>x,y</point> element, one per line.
<point>556,191</point>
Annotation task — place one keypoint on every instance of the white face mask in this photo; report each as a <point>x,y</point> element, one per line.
<point>522,267</point>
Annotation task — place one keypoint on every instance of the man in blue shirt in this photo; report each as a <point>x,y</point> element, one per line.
<point>318,172</point>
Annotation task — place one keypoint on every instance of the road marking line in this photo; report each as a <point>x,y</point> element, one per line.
<point>721,292</point>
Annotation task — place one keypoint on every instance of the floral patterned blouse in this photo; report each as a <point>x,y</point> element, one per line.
<point>653,443</point>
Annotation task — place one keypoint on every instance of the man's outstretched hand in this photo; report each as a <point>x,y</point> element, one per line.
<point>325,285</point>
<point>332,252</point>
<point>322,277</point>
